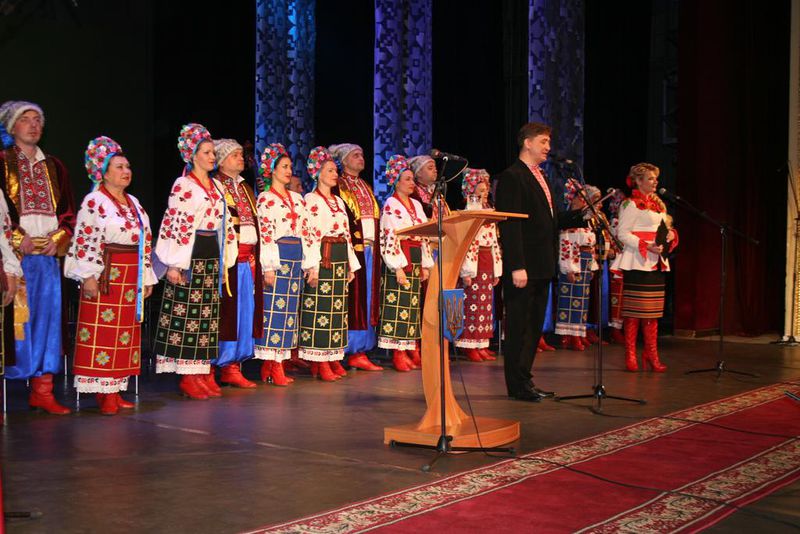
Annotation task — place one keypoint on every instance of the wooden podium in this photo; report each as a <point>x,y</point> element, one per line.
<point>458,229</point>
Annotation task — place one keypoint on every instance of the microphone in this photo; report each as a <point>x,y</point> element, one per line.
<point>436,153</point>
<point>559,158</point>
<point>672,196</point>
<point>611,190</point>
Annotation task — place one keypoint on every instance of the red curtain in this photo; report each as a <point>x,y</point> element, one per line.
<point>733,138</point>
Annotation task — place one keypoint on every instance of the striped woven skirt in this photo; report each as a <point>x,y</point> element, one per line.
<point>401,305</point>
<point>572,311</point>
<point>643,294</point>
<point>281,301</point>
<point>188,324</point>
<point>323,315</point>
<point>108,334</point>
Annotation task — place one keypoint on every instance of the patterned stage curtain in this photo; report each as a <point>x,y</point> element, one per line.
<point>403,81</point>
<point>285,39</point>
<point>555,75</point>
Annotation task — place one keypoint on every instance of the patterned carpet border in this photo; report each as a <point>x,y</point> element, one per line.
<point>387,509</point>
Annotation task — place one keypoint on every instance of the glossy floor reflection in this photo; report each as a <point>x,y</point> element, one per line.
<point>263,456</point>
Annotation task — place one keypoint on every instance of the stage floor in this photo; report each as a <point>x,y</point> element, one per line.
<point>264,456</point>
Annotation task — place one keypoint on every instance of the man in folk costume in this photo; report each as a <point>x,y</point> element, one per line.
<point>42,212</point>
<point>363,214</point>
<point>239,324</point>
<point>425,174</point>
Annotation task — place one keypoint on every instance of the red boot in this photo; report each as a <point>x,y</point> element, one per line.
<point>473,355</point>
<point>277,376</point>
<point>122,403</point>
<point>631,329</point>
<point>42,396</point>
<point>107,403</point>
<point>211,384</point>
<point>486,355</point>
<point>400,360</point>
<point>190,386</point>
<point>650,353</point>
<point>283,366</point>
<point>543,346</point>
<point>571,343</point>
<point>337,368</point>
<point>202,383</point>
<point>266,370</point>
<point>591,336</point>
<point>325,372</point>
<point>415,357</point>
<point>359,360</point>
<point>314,368</point>
<point>294,362</point>
<point>617,336</point>
<point>232,375</point>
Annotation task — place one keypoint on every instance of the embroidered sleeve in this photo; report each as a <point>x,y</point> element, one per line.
<point>469,267</point>
<point>11,263</point>
<point>177,232</point>
<point>270,253</point>
<point>149,277</point>
<point>497,253</point>
<point>226,232</point>
<point>391,219</point>
<point>569,256</point>
<point>315,226</point>
<point>85,256</point>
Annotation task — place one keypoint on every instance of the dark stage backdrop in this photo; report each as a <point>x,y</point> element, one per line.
<point>733,109</point>
<point>138,70</point>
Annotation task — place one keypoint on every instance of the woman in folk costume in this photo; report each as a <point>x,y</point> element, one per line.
<point>576,262</point>
<point>282,223</point>
<point>406,264</point>
<point>480,273</point>
<point>196,245</point>
<point>110,257</point>
<point>615,276</point>
<point>10,273</point>
<point>644,231</point>
<point>330,264</point>
<point>240,324</point>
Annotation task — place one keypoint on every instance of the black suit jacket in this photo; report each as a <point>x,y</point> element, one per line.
<point>532,243</point>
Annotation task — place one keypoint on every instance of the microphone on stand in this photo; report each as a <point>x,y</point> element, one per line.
<point>672,196</point>
<point>611,190</point>
<point>436,153</point>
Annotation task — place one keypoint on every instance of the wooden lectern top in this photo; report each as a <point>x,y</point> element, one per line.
<point>430,228</point>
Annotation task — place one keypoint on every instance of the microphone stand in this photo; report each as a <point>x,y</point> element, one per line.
<point>443,446</point>
<point>724,230</point>
<point>599,389</point>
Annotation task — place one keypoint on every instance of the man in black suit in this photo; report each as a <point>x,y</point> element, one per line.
<point>530,255</point>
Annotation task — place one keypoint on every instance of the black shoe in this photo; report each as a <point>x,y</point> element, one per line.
<point>527,395</point>
<point>542,392</point>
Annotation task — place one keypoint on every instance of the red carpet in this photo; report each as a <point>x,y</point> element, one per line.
<point>707,464</point>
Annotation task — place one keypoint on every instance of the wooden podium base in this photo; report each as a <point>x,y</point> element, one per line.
<point>494,432</point>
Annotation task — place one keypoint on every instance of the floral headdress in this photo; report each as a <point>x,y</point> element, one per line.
<point>97,157</point>
<point>473,177</point>
<point>316,159</point>
<point>192,136</point>
<point>396,165</point>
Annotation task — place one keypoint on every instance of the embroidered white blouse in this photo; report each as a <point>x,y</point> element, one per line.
<point>326,221</point>
<point>570,243</point>
<point>11,263</point>
<point>395,216</point>
<point>280,217</point>
<point>191,208</point>
<point>102,221</point>
<point>487,237</point>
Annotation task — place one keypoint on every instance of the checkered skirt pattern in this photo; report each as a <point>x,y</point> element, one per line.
<point>188,324</point>
<point>643,294</point>
<point>400,306</point>
<point>323,311</point>
<point>572,311</point>
<point>108,337</point>
<point>281,304</point>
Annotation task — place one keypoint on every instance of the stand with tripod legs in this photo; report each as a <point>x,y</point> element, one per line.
<point>599,389</point>
<point>724,230</point>
<point>445,427</point>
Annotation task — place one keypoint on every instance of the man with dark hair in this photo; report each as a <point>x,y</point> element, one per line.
<point>530,255</point>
